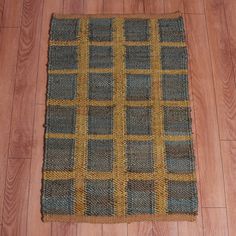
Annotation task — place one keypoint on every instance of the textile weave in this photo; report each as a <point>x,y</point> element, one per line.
<point>118,138</point>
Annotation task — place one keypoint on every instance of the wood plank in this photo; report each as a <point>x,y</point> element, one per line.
<point>26,76</point>
<point>73,6</point>
<point>86,229</point>
<point>208,146</point>
<point>173,6</point>
<point>223,71</point>
<point>193,6</point>
<point>9,40</point>
<point>93,6</point>
<point>50,6</point>
<point>64,229</point>
<point>154,6</point>
<point>34,215</point>
<point>1,10</point>
<point>165,228</point>
<point>215,221</point>
<point>16,197</point>
<point>230,10</point>
<point>12,12</point>
<point>115,229</point>
<point>113,6</point>
<point>229,166</point>
<point>140,229</point>
<point>134,6</point>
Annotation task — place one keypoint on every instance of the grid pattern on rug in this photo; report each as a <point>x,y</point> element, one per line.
<point>118,142</point>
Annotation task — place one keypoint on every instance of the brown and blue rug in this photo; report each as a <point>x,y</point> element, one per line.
<point>118,141</point>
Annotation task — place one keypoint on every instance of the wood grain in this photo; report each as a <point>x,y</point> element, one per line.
<point>93,6</point>
<point>229,165</point>
<point>86,229</point>
<point>173,6</point>
<point>165,228</point>
<point>134,6</point>
<point>50,7</point>
<point>16,198</point>
<point>34,207</point>
<point>193,6</point>
<point>140,229</point>
<point>26,76</point>
<point>215,221</point>
<point>208,146</point>
<point>64,229</point>
<point>113,6</point>
<point>116,229</point>
<point>224,77</point>
<point>12,13</point>
<point>8,58</point>
<point>73,6</point>
<point>1,10</point>
<point>230,11</point>
<point>154,6</point>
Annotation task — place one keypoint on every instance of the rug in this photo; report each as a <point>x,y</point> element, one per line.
<point>118,139</point>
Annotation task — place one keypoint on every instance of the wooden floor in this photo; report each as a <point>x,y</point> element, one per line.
<point>211,28</point>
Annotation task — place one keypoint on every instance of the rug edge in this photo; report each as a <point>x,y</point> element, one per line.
<point>137,15</point>
<point>112,220</point>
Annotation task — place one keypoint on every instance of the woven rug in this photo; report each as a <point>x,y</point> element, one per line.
<point>118,141</point>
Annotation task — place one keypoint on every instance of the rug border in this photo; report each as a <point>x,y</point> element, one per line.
<point>118,219</point>
<point>106,15</point>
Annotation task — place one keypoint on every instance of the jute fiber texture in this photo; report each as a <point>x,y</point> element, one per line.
<point>118,139</point>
